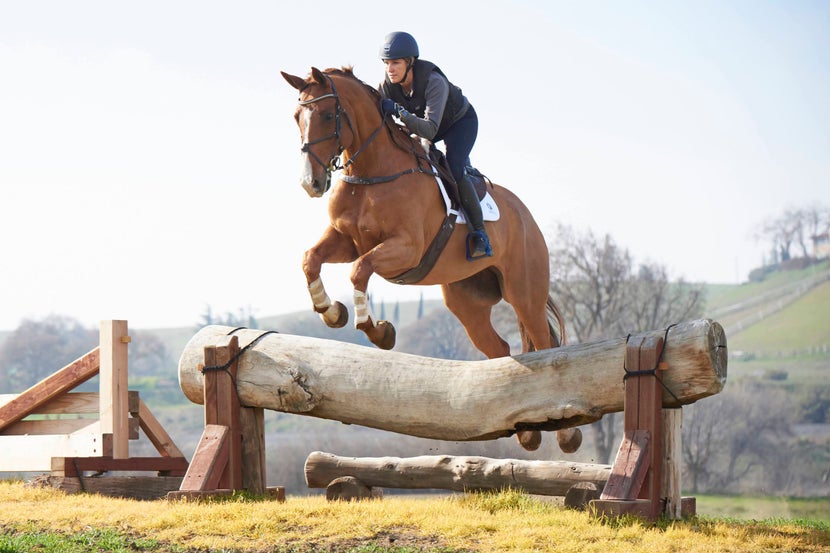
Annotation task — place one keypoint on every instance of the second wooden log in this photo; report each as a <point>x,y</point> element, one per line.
<point>446,472</point>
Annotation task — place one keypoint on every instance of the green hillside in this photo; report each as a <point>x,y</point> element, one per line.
<point>802,327</point>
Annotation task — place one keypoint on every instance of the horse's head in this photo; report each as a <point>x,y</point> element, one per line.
<point>320,117</point>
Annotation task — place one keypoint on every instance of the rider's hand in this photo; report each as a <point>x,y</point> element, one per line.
<point>401,111</point>
<point>389,107</point>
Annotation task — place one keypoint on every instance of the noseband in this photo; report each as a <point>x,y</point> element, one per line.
<point>334,163</point>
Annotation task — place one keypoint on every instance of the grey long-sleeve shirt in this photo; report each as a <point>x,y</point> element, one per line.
<point>437,92</point>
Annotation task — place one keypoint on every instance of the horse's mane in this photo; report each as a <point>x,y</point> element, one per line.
<point>347,71</point>
<point>399,134</point>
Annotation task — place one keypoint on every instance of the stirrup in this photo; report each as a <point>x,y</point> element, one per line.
<point>478,238</point>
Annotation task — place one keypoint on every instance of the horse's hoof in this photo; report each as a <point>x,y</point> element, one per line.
<point>530,440</point>
<point>388,334</point>
<point>569,439</point>
<point>342,316</point>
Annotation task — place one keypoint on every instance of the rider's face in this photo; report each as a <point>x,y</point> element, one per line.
<point>395,70</point>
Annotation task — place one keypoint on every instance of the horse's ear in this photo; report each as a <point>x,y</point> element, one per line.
<point>293,80</point>
<point>317,75</point>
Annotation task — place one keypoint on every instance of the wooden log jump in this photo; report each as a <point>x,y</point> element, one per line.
<point>445,472</point>
<point>454,400</point>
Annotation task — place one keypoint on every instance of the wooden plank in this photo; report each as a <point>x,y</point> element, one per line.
<point>228,402</point>
<point>156,433</point>
<point>252,430</point>
<point>114,408</point>
<point>133,487</point>
<point>74,403</point>
<point>620,507</point>
<point>631,414</point>
<point>71,466</point>
<point>651,419</point>
<point>209,387</point>
<point>34,453</point>
<point>78,403</point>
<point>630,467</point>
<point>63,426</point>
<point>54,385</point>
<point>53,426</point>
<point>222,404</point>
<point>637,507</point>
<point>209,460</point>
<point>672,462</point>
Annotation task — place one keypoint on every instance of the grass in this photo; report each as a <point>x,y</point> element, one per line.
<point>799,326</point>
<point>719,296</point>
<point>36,519</point>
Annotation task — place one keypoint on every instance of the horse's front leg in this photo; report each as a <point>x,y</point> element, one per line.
<point>333,247</point>
<point>385,258</point>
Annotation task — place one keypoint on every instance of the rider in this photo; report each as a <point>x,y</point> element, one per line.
<point>422,97</point>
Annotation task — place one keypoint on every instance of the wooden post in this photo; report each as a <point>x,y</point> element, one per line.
<point>252,427</point>
<point>671,487</point>
<point>231,453</point>
<point>636,478</point>
<point>222,404</point>
<point>114,408</point>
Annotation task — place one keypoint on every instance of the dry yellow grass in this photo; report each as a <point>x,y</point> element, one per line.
<point>489,522</point>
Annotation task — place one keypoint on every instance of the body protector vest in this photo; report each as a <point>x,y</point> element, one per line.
<point>417,103</point>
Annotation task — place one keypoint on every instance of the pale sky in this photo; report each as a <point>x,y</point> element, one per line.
<point>149,158</point>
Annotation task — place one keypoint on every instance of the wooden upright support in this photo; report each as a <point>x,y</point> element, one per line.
<point>645,478</point>
<point>113,387</point>
<point>225,460</point>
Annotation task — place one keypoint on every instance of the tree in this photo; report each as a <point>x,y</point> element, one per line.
<point>794,227</point>
<point>602,296</point>
<point>148,356</point>
<point>438,334</point>
<point>37,348</point>
<point>738,438</point>
<point>244,317</point>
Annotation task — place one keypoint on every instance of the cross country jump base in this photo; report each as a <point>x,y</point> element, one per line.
<point>648,376</point>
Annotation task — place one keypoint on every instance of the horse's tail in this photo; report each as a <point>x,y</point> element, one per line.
<point>554,315</point>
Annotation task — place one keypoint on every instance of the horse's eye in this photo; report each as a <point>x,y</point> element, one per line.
<point>328,116</point>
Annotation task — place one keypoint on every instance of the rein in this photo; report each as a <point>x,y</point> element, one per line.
<point>334,163</point>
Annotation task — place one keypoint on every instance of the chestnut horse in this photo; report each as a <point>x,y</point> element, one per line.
<point>386,211</point>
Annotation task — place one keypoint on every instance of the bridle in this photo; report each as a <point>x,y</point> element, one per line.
<point>334,163</point>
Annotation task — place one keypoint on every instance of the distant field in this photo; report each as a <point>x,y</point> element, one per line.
<point>719,296</point>
<point>760,508</point>
<point>802,325</point>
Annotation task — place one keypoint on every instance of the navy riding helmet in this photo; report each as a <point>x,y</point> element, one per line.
<point>398,45</point>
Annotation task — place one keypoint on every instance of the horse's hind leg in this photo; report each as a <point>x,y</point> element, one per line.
<point>537,334</point>
<point>471,301</point>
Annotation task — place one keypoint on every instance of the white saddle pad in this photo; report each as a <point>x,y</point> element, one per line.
<point>489,209</point>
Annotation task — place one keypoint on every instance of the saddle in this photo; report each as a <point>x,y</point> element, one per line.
<point>439,163</point>
<point>479,180</point>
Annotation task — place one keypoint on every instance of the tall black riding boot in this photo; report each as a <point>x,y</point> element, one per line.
<point>478,244</point>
